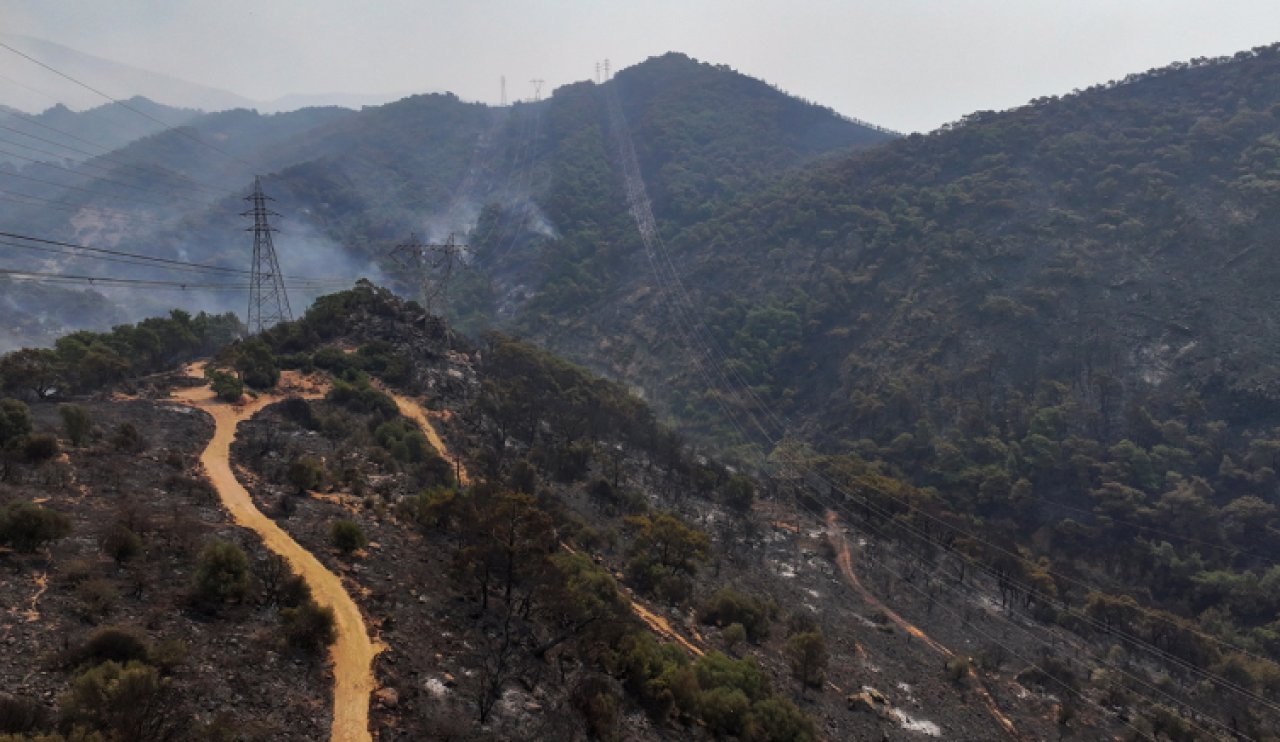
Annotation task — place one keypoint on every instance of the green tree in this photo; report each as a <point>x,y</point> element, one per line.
<point>76,422</point>
<point>35,370</point>
<point>15,420</point>
<point>256,364</point>
<point>807,655</point>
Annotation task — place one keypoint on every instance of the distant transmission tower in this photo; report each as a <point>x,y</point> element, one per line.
<point>537,90</point>
<point>435,264</point>
<point>502,83</point>
<point>597,72</point>
<point>606,69</point>
<point>268,302</point>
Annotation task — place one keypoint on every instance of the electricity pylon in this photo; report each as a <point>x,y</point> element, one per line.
<point>436,263</point>
<point>268,302</point>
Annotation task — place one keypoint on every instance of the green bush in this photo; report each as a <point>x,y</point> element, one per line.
<point>76,422</point>
<point>39,447</point>
<point>127,701</point>
<point>224,384</point>
<point>222,573</point>
<point>121,544</point>
<point>308,627</point>
<point>728,606</point>
<point>27,526</point>
<point>347,536</point>
<point>112,643</point>
<point>724,710</point>
<point>305,473</point>
<point>778,720</point>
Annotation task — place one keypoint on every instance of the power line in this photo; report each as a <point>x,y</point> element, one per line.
<point>81,188</point>
<point>126,105</point>
<point>99,178</point>
<point>103,157</point>
<point>122,253</point>
<point>66,206</point>
<point>111,281</point>
<point>165,261</point>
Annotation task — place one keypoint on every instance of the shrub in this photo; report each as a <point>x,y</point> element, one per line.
<point>39,447</point>
<point>98,597</point>
<point>957,667</point>
<point>298,410</point>
<point>734,634</point>
<point>121,544</point>
<point>724,710</point>
<point>128,438</point>
<point>738,493</point>
<point>27,526</point>
<point>599,705</point>
<point>114,644</point>
<point>222,573</point>
<point>308,627</point>
<point>305,473</point>
<point>347,536</point>
<point>778,720</point>
<point>167,654</point>
<point>76,422</point>
<point>127,700</point>
<point>22,716</point>
<point>728,606</point>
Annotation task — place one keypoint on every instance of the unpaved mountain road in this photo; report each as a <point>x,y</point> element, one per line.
<point>352,652</point>
<point>844,559</point>
<point>419,415</point>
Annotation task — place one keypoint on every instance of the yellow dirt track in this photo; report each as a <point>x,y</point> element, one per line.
<point>844,559</point>
<point>419,415</point>
<point>352,652</point>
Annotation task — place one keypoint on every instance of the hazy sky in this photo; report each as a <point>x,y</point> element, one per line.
<point>906,64</point>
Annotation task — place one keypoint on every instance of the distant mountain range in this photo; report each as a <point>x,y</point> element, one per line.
<point>125,81</point>
<point>353,184</point>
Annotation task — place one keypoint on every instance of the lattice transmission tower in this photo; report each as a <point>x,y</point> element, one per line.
<point>434,265</point>
<point>268,302</point>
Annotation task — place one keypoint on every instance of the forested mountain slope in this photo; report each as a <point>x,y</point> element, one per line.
<point>351,185</point>
<point>86,133</point>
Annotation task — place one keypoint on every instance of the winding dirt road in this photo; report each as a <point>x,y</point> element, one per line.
<point>422,417</point>
<point>844,559</point>
<point>352,652</point>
